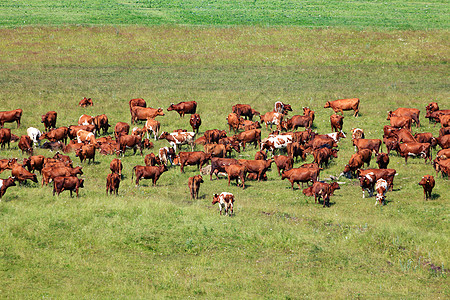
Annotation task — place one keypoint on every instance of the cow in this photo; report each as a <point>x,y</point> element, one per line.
<point>5,184</point>
<point>120,129</point>
<point>73,129</point>
<point>49,120</point>
<point>435,115</point>
<point>401,122</point>
<point>250,136</point>
<point>442,164</point>
<point>323,155</point>
<point>53,146</point>
<point>282,108</point>
<point>130,141</point>
<point>427,183</point>
<point>218,165</point>
<point>371,144</point>
<point>414,149</point>
<point>166,154</point>
<point>152,160</point>
<point>308,112</point>
<point>426,137</point>
<point>432,107</point>
<point>137,102</point>
<point>261,155</point>
<point>49,173</point>
<point>86,102</point>
<point>21,175</point>
<point>84,136</point>
<point>295,122</point>
<point>412,113</point>
<point>72,146</point>
<point>26,145</point>
<point>295,150</point>
<point>276,142</point>
<point>344,104</point>
<point>382,160</point>
<point>87,152</point>
<point>297,175</point>
<point>336,136</point>
<point>259,167</point>
<point>444,131</point>
<point>101,122</point>
<point>400,135</point>
<point>194,185</point>
<point>182,108</point>
<point>148,172</point>
<point>381,189</point>
<point>112,183</point>
<point>179,138</point>
<point>214,135</point>
<point>67,183</point>
<point>226,202</point>
<point>337,121</point>
<point>321,190</point>
<point>198,158</point>
<point>272,118</point>
<point>444,120</point>
<point>54,135</point>
<point>86,120</point>
<point>244,110</point>
<point>236,172</point>
<point>366,155</point>
<point>137,131</point>
<point>356,162</point>
<point>195,121</point>
<point>321,141</point>
<point>34,163</point>
<point>7,164</point>
<point>248,125</point>
<point>143,113</point>
<point>374,175</point>
<point>357,133</point>
<point>34,135</point>
<point>233,122</point>
<point>10,116</point>
<point>444,141</point>
<point>217,150</point>
<point>5,137</point>
<point>283,163</point>
<point>116,166</point>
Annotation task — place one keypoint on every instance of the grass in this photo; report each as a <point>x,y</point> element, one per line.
<point>153,242</point>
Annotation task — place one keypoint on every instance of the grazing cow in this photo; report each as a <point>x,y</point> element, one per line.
<point>20,174</point>
<point>444,141</point>
<point>248,125</point>
<point>381,189</point>
<point>435,115</point>
<point>84,136</point>
<point>120,129</point>
<point>368,182</point>
<point>321,190</point>
<point>297,175</point>
<point>283,163</point>
<point>194,185</point>
<point>357,133</point>
<point>412,113</point>
<point>34,163</point>
<point>198,158</point>
<point>244,110</point>
<point>282,108</point>
<point>72,146</point>
<point>214,135</point>
<point>34,135</point>
<point>276,142</point>
<point>261,155</point>
<point>148,172</point>
<point>371,144</point>
<point>53,146</point>
<point>152,160</point>
<point>233,122</point>
<point>7,164</point>
<point>86,102</point>
<point>54,135</point>
<point>427,183</point>
<point>356,162</point>
<point>130,141</point>
<point>414,149</point>
<point>10,116</point>
<point>321,142</point>
<point>401,135</point>
<point>382,160</point>
<point>166,154</point>
<point>401,122</point>
<point>25,144</point>
<point>49,173</point>
<point>182,108</point>
<point>5,137</point>
<point>226,202</point>
<point>344,104</point>
<point>323,155</point>
<point>143,113</point>
<point>195,121</point>
<point>218,165</point>
<point>295,150</point>
<point>67,183</point>
<point>442,164</point>
<point>86,152</point>
<point>250,136</point>
<point>366,155</point>
<point>272,118</point>
<point>217,150</point>
<point>137,131</point>
<point>336,136</point>
<point>112,183</point>
<point>49,120</point>
<point>101,122</point>
<point>116,166</point>
<point>295,122</point>
<point>137,102</point>
<point>179,138</point>
<point>86,120</point>
<point>259,167</point>
<point>5,184</point>
<point>337,121</point>
<point>236,172</point>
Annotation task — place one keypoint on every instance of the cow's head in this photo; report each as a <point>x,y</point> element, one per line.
<point>171,107</point>
<point>390,114</point>
<point>163,135</point>
<point>327,104</point>
<point>215,199</point>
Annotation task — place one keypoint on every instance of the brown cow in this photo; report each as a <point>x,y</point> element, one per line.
<point>4,184</point>
<point>7,164</point>
<point>444,141</point>
<point>295,122</point>
<point>86,120</point>
<point>112,183</point>
<point>356,162</point>
<point>366,155</point>
<point>101,122</point>
<point>148,172</point>
<point>344,104</point>
<point>433,106</point>
<point>295,150</point>
<point>218,165</point>
<point>382,160</point>
<point>34,163</point>
<point>120,129</point>
<point>401,122</point>
<point>72,146</point>
<point>130,141</point>
<point>217,150</point>
<point>371,144</point>
<point>5,137</point>
<point>182,108</point>
<point>414,149</point>
<point>322,141</point>
<point>84,136</point>
<point>444,120</point>
<point>444,131</point>
<point>214,135</point>
<point>21,175</point>
<point>195,121</point>
<point>10,116</point>
<point>272,118</point>
<point>297,175</point>
<point>58,134</point>
<point>374,175</point>
<point>152,160</point>
<point>233,122</point>
<point>73,129</point>
<point>194,185</point>
<point>137,102</point>
<point>259,167</point>
<point>143,113</point>
<point>337,121</point>
<point>248,125</point>
<point>244,110</point>
<point>261,155</point>
<point>357,133</point>
<point>86,102</point>
<point>86,152</point>
<point>198,158</point>
<point>283,163</point>
<point>49,120</point>
<point>323,155</point>
<point>321,190</point>
<point>444,153</point>
<point>412,113</point>
<point>236,172</point>
<point>49,173</point>
<point>226,202</point>
<point>250,136</point>
<point>53,146</point>
<point>67,183</point>
<point>427,183</point>
<point>435,115</point>
<point>116,166</point>
<point>426,137</point>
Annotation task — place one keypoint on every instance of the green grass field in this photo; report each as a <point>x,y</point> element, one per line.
<point>154,242</point>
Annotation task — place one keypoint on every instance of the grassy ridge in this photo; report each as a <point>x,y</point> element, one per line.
<point>354,14</point>
<point>154,240</point>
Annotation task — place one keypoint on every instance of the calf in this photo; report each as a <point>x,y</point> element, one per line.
<point>148,172</point>
<point>112,183</point>
<point>337,121</point>
<point>67,183</point>
<point>382,160</point>
<point>276,142</point>
<point>86,120</point>
<point>5,184</point>
<point>374,175</point>
<point>217,150</point>
<point>236,172</point>
<point>182,108</point>
<point>381,189</point>
<point>49,120</point>
<point>344,104</point>
<point>233,122</point>
<point>218,165</point>
<point>25,144</point>
<point>226,201</point>
<point>282,108</point>
<point>195,121</point>
<point>137,102</point>
<point>427,183</point>
<point>297,175</point>
<point>193,158</point>
<point>323,155</point>
<point>356,162</point>
<point>295,122</point>
<point>86,102</point>
<point>426,137</point>
<point>321,190</point>
<point>87,152</point>
<point>116,166</point>
<point>194,185</point>
<point>244,110</point>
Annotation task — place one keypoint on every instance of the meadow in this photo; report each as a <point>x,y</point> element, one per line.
<point>154,242</point>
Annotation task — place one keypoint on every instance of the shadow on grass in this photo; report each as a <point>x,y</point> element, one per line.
<point>434,196</point>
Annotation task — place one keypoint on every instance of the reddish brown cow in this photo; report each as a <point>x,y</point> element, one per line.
<point>233,122</point>
<point>356,162</point>
<point>101,122</point>
<point>84,136</point>
<point>297,121</point>
<point>49,120</point>
<point>444,153</point>
<point>116,166</point>
<point>244,110</point>
<point>5,184</point>
<point>295,150</point>
<point>283,163</point>
<point>344,104</point>
<point>137,102</point>
<point>26,145</point>
<point>414,149</point>
<point>371,144</point>
<point>337,121</point>
<point>382,160</point>
<point>218,165</point>
<point>198,158</point>
<point>73,129</point>
<point>86,102</point>
<point>321,190</point>
<point>217,150</point>
<point>214,135</point>
<point>67,183</point>
<point>444,131</point>
<point>148,172</point>
<point>20,174</point>
<point>272,118</point>
<point>112,183</point>
<point>322,141</point>
<point>444,141</point>
<point>297,175</point>
<point>34,163</point>
<point>435,115</point>
<point>52,172</point>
<point>86,152</point>
<point>72,146</point>
<point>7,164</point>
<point>444,120</point>
<point>412,113</point>
<point>433,106</point>
<point>143,113</point>
<point>194,185</point>
<point>236,172</point>
<point>250,136</point>
<point>58,134</point>
<point>195,121</point>
<point>427,183</point>
<point>182,108</point>
<point>248,125</point>
<point>5,137</point>
<point>386,174</point>
<point>426,137</point>
<point>401,122</point>
<point>10,116</point>
<point>120,129</point>
<point>152,160</point>
<point>130,141</point>
<point>366,155</point>
<point>146,144</point>
<point>323,155</point>
<point>259,167</point>
<point>86,120</point>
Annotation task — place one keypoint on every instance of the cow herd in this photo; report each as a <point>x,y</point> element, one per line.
<point>216,159</point>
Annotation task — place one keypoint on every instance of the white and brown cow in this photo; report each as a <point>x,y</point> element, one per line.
<point>86,136</point>
<point>179,138</point>
<point>381,187</point>
<point>272,118</point>
<point>86,120</point>
<point>225,201</point>
<point>166,154</point>
<point>357,133</point>
<point>276,142</point>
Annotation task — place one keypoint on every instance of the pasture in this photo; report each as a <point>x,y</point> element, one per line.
<point>154,242</point>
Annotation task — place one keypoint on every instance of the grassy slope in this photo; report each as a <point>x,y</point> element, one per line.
<point>153,240</point>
